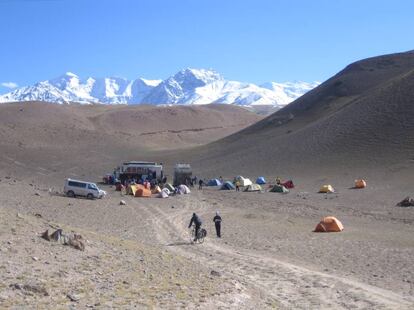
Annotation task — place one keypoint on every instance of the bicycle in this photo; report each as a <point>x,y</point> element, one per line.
<point>202,233</point>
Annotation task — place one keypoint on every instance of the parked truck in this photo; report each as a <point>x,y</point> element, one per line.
<point>182,174</point>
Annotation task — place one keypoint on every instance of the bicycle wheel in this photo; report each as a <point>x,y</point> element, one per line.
<point>201,235</point>
<point>191,235</point>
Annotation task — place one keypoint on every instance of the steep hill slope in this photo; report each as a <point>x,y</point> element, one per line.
<point>362,117</point>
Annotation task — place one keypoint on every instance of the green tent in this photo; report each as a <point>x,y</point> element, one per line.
<point>279,189</point>
<point>170,187</point>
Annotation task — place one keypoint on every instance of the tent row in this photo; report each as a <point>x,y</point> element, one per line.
<point>280,187</point>
<point>326,189</point>
<point>138,190</point>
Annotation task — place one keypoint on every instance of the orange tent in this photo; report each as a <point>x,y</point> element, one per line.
<point>156,190</point>
<point>360,183</point>
<point>329,224</point>
<point>143,192</point>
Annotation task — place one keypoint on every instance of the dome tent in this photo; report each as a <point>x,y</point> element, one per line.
<point>214,182</point>
<point>260,180</point>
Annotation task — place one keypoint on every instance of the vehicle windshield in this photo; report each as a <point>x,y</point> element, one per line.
<point>92,186</point>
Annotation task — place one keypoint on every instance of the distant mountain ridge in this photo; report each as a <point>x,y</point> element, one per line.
<point>188,86</point>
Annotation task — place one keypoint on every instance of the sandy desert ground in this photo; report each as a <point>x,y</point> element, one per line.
<point>141,254</point>
<point>357,124</point>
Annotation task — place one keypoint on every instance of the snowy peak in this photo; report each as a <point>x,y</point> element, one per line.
<point>188,86</point>
<point>68,79</point>
<point>150,83</point>
<point>196,77</point>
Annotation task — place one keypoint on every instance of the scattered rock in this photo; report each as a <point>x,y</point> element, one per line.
<point>74,240</point>
<point>122,203</point>
<point>33,288</point>
<point>9,242</point>
<point>16,286</point>
<point>406,202</point>
<point>37,194</point>
<point>38,215</point>
<point>73,297</point>
<point>56,236</point>
<point>19,215</point>
<point>215,273</point>
<point>172,207</point>
<point>35,258</point>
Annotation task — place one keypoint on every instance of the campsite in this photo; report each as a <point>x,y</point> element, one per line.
<point>269,247</point>
<point>275,249</point>
<point>316,199</point>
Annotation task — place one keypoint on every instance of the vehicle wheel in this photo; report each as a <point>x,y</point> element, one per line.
<point>70,194</point>
<point>89,196</point>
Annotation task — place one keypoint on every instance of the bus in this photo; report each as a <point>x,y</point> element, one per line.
<point>139,170</point>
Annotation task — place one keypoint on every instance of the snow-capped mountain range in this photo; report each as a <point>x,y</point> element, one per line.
<point>189,86</point>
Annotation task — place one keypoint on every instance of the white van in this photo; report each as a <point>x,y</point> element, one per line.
<point>89,190</point>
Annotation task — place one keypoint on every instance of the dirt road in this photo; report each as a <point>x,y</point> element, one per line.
<point>262,276</point>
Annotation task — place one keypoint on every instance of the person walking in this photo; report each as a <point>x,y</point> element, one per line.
<point>217,222</point>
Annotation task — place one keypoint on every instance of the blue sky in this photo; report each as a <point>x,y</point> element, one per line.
<point>246,40</point>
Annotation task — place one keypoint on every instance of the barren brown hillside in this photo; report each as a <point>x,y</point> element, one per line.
<point>47,140</point>
<point>362,119</point>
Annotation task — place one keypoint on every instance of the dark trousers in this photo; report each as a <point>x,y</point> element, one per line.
<point>218,229</point>
<point>197,229</point>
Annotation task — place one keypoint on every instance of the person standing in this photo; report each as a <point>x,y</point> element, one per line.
<point>237,186</point>
<point>217,222</point>
<point>200,184</point>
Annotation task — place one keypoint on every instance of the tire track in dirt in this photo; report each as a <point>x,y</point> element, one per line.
<point>288,284</point>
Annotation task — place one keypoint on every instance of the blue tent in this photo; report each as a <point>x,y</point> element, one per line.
<point>228,186</point>
<point>260,180</point>
<point>214,182</point>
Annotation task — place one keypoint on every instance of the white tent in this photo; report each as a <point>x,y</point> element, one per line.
<point>164,193</point>
<point>243,181</point>
<point>183,189</point>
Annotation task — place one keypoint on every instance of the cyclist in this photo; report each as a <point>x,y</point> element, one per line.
<point>197,222</point>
